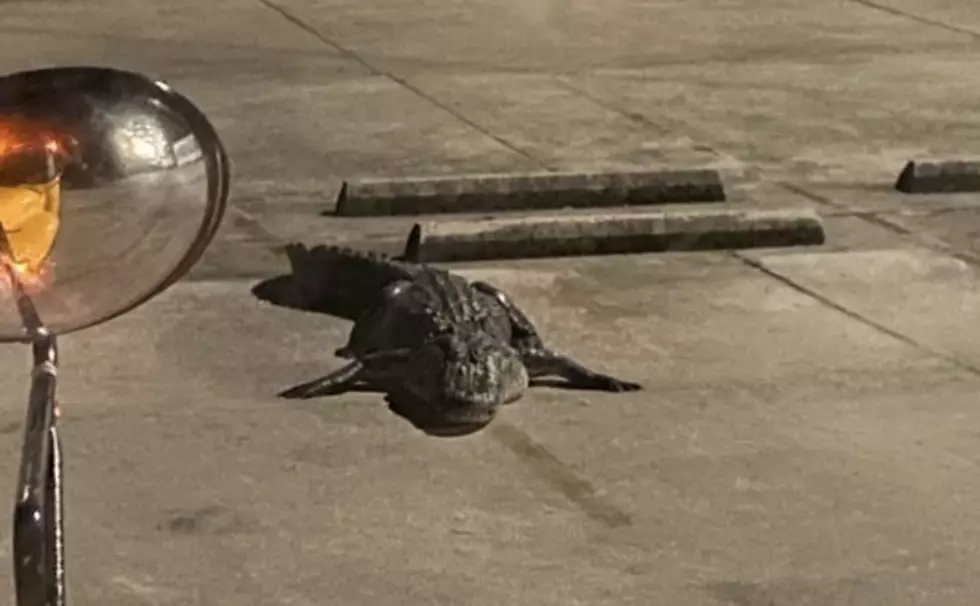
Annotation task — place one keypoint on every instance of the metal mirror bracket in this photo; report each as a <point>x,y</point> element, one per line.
<point>39,538</point>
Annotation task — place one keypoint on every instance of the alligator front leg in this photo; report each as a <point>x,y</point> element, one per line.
<point>524,334</point>
<point>541,361</point>
<point>370,370</point>
<point>339,381</point>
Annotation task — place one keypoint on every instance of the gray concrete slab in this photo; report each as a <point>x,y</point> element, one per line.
<point>790,90</point>
<point>819,120</point>
<point>205,488</point>
<point>546,35</point>
<point>790,447</point>
<point>561,128</point>
<point>956,227</point>
<point>899,289</point>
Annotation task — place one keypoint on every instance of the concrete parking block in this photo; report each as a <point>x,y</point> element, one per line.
<point>534,191</point>
<point>617,233</point>
<point>935,176</point>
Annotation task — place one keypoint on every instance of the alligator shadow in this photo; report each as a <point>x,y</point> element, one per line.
<point>291,292</point>
<point>419,417</point>
<point>563,385</point>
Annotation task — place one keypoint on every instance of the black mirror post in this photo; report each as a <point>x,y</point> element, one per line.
<point>39,537</point>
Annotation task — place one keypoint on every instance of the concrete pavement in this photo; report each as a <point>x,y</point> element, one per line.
<point>807,432</point>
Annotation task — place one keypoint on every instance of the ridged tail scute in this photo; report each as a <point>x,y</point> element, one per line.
<point>413,246</point>
<point>341,281</point>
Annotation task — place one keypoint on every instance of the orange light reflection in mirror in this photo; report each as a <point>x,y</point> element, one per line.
<point>31,218</point>
<point>10,139</point>
<point>30,214</point>
<point>32,279</point>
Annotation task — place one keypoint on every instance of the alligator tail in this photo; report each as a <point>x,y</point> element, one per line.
<point>344,282</point>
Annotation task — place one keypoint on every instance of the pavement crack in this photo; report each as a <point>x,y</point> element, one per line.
<point>674,125</point>
<point>925,240</point>
<point>635,117</point>
<point>377,71</point>
<point>875,218</point>
<point>560,476</point>
<point>809,195</point>
<point>896,12</point>
<point>856,316</point>
<point>306,27</point>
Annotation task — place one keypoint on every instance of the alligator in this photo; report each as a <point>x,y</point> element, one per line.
<point>447,352</point>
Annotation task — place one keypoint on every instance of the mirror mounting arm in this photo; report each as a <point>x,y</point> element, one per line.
<point>39,538</point>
